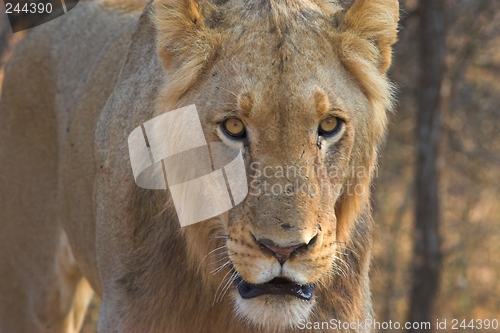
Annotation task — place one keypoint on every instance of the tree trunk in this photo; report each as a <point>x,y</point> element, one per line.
<point>427,252</point>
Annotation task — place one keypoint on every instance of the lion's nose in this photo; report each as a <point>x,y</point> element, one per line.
<point>282,254</point>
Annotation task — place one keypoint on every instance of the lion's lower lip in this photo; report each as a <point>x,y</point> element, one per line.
<point>276,286</point>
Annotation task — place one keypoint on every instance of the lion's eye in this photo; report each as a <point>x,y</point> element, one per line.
<point>329,126</point>
<point>234,127</point>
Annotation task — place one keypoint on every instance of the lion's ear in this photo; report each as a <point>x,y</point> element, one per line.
<point>375,21</point>
<point>184,42</point>
<point>181,32</point>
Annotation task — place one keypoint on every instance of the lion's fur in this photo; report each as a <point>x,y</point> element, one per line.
<point>68,188</point>
<point>124,6</point>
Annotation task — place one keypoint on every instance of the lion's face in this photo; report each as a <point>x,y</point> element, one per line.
<point>299,131</point>
<point>309,131</point>
<point>282,239</point>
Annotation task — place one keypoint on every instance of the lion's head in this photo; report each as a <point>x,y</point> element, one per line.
<point>300,86</point>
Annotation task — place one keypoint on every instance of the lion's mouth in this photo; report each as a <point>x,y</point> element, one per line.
<point>277,286</point>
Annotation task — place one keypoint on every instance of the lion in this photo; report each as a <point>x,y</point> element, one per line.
<point>299,86</point>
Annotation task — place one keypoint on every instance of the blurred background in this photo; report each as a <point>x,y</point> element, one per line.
<point>467,160</point>
<point>437,193</point>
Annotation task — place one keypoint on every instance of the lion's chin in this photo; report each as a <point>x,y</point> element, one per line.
<point>274,313</point>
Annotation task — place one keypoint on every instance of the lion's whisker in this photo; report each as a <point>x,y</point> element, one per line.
<point>340,269</point>
<point>348,249</point>
<point>216,255</point>
<point>209,253</point>
<point>218,261</point>
<point>226,287</point>
<point>322,284</point>
<point>218,270</point>
<point>218,288</point>
<point>220,247</point>
<point>343,262</point>
<point>216,237</point>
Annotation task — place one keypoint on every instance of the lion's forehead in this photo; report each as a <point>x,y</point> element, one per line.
<point>286,94</point>
<point>286,37</point>
<point>282,63</point>
<point>283,83</point>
